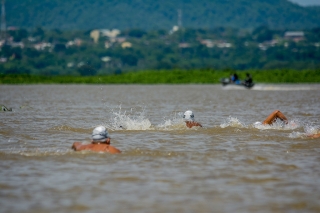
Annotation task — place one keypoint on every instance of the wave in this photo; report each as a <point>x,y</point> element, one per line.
<point>280,125</point>
<point>308,131</point>
<point>286,87</point>
<point>137,120</point>
<point>39,151</point>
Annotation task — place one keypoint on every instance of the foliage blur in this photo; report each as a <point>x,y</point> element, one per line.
<point>56,52</point>
<point>176,76</point>
<point>154,15</point>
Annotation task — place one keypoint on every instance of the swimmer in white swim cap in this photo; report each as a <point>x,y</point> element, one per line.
<point>188,117</point>
<point>100,142</point>
<point>100,134</point>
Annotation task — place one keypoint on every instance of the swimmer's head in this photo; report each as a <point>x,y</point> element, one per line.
<point>100,134</point>
<point>188,116</point>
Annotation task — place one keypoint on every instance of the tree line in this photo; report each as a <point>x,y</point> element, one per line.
<point>56,52</point>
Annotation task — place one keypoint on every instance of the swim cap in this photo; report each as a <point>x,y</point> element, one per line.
<point>188,115</point>
<point>100,134</point>
<point>258,123</point>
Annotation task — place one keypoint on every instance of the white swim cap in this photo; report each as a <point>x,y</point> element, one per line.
<point>258,123</point>
<point>100,134</point>
<point>188,115</point>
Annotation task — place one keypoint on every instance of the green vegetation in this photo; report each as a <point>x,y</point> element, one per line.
<point>151,14</point>
<point>73,53</point>
<point>59,43</point>
<point>206,76</point>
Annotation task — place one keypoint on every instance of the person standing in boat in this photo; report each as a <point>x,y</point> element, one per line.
<point>248,80</point>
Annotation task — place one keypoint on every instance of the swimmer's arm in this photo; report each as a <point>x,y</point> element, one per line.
<point>275,114</point>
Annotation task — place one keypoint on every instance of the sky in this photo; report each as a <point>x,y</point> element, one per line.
<point>306,2</point>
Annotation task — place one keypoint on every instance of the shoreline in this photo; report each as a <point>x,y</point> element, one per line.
<point>170,77</point>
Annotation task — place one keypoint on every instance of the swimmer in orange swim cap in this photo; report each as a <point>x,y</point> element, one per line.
<point>100,142</point>
<point>188,117</point>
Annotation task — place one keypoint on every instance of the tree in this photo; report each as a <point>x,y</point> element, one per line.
<point>18,34</point>
<point>262,33</point>
<point>59,47</point>
<point>129,59</point>
<point>87,70</point>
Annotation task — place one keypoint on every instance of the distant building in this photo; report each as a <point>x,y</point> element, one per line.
<point>106,59</point>
<point>17,44</point>
<point>224,44</point>
<point>126,45</point>
<point>110,33</point>
<point>184,45</point>
<point>42,46</point>
<point>32,39</point>
<point>95,34</point>
<point>207,42</point>
<point>3,60</point>
<point>294,36</point>
<point>76,42</point>
<point>267,44</point>
<point>70,64</point>
<point>216,43</point>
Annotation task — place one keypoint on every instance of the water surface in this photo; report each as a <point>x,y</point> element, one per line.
<point>229,165</point>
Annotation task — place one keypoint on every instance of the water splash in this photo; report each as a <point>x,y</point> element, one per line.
<point>297,134</point>
<point>174,123</point>
<point>137,120</point>
<point>309,129</point>
<point>232,122</point>
<point>278,124</point>
<point>132,120</point>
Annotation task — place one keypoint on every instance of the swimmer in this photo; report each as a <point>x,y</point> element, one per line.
<point>188,117</point>
<point>279,115</point>
<point>100,142</point>
<point>272,118</point>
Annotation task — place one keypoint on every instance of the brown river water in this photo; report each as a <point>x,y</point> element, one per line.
<point>229,165</point>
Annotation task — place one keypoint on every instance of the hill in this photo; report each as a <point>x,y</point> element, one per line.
<point>150,14</point>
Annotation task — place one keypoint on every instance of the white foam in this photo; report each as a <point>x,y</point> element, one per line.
<point>133,120</point>
<point>310,129</point>
<point>286,87</point>
<point>174,123</point>
<point>278,124</point>
<point>297,135</point>
<point>232,122</point>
